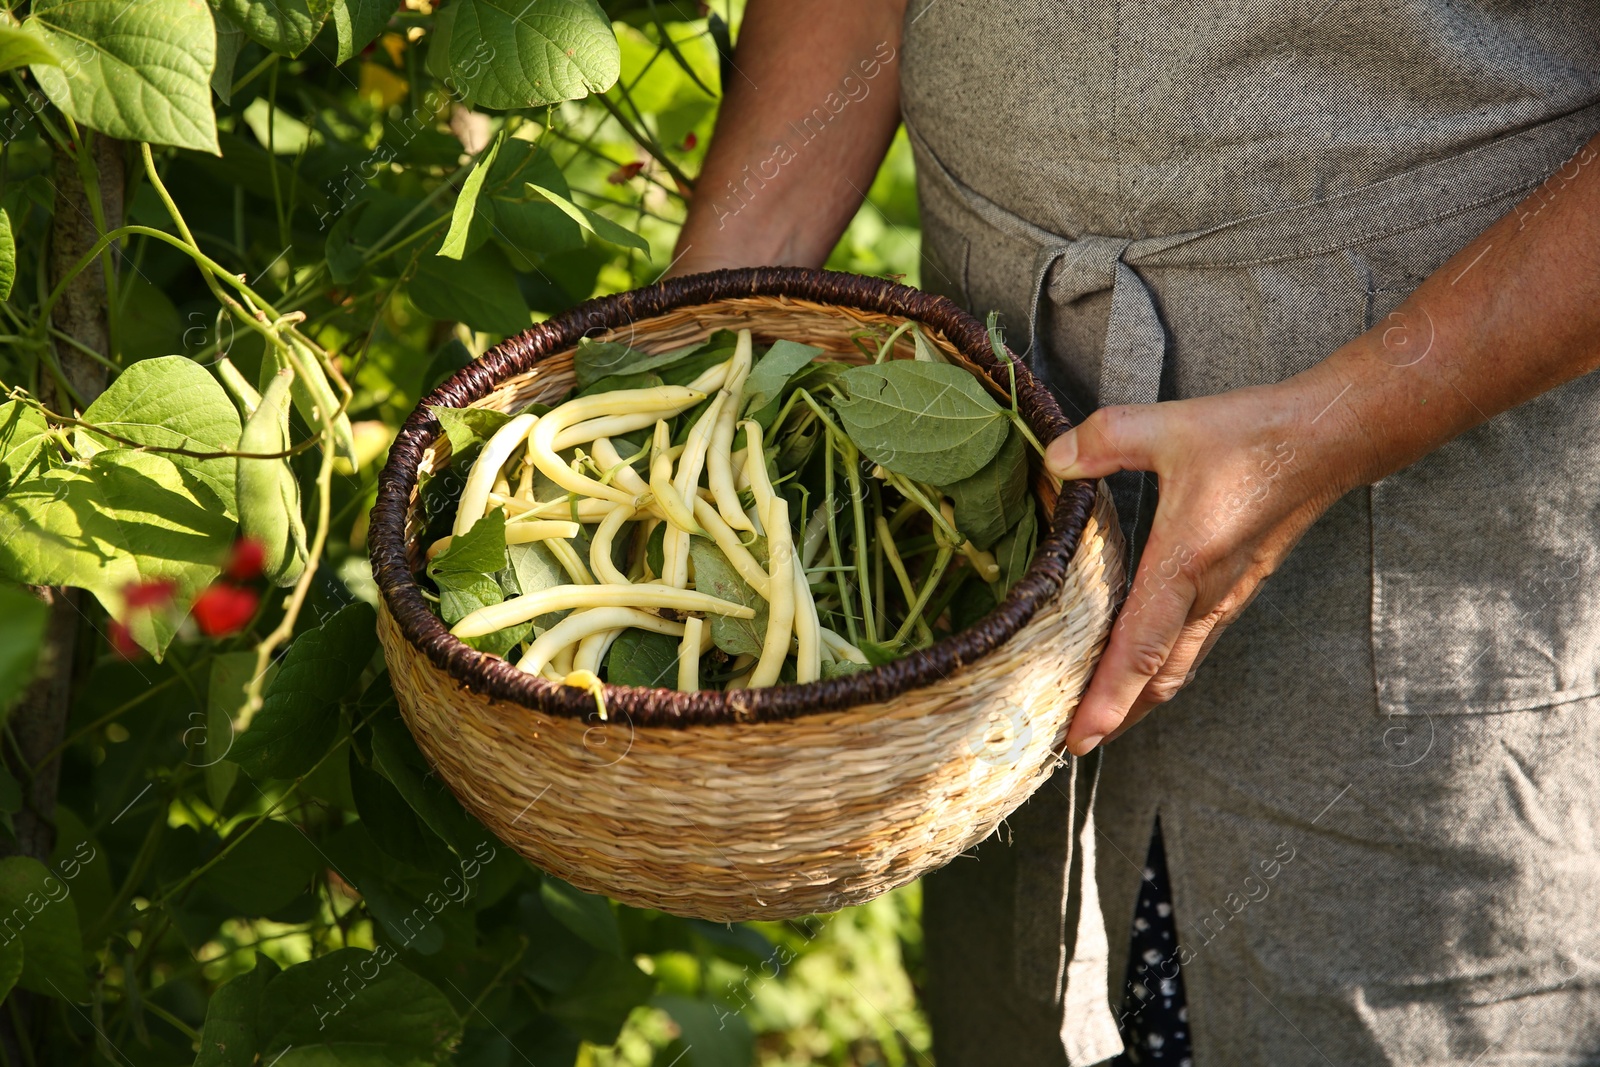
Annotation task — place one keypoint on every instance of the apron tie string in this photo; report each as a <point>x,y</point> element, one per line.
<point>1135,348</point>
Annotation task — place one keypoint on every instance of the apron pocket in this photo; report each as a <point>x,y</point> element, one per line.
<point>1484,591</point>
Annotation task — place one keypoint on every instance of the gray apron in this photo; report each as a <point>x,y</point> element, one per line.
<point>1381,795</point>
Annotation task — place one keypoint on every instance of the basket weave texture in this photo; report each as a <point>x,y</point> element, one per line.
<point>751,804</point>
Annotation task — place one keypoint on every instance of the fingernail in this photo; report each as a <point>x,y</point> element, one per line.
<point>1085,745</point>
<point>1061,454</point>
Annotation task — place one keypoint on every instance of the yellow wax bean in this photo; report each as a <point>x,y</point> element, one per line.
<point>675,545</point>
<point>580,624</point>
<point>665,493</point>
<point>600,545</point>
<point>570,562</point>
<point>732,547</point>
<point>592,650</point>
<point>589,510</point>
<point>480,480</point>
<point>719,461</point>
<point>528,606</point>
<point>780,609</point>
<point>694,628</point>
<point>663,400</point>
<point>841,648</point>
<point>807,627</point>
<point>623,475</point>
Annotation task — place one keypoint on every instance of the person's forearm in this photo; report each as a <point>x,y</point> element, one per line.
<point>805,120</point>
<point>1512,315</point>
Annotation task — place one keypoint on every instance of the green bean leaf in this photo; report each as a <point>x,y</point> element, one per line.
<point>1015,551</point>
<point>645,658</point>
<point>229,1037</point>
<point>593,221</point>
<point>328,1011</point>
<point>8,250</point>
<point>466,209</point>
<point>42,914</point>
<point>139,71</point>
<point>713,574</point>
<point>357,22</point>
<point>505,54</point>
<point>480,290</point>
<point>22,622</point>
<point>19,47</point>
<point>991,501</point>
<point>299,716</point>
<point>469,428</point>
<point>173,402</point>
<point>474,572</point>
<point>596,361</point>
<point>771,375</point>
<point>931,422</point>
<point>166,524</point>
<point>536,568</point>
<point>24,435</point>
<point>286,27</point>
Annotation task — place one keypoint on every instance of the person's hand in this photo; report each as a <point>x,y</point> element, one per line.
<point>1242,475</point>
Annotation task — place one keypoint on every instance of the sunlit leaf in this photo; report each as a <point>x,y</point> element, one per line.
<point>524,53</point>
<point>8,253</point>
<point>141,71</point>
<point>172,402</point>
<point>21,47</point>
<point>358,22</point>
<point>125,517</point>
<point>285,26</point>
<point>593,221</point>
<point>466,209</point>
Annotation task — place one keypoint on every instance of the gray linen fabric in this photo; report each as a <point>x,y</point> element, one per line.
<point>1176,201</point>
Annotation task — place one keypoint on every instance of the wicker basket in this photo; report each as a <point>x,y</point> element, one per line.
<point>766,803</point>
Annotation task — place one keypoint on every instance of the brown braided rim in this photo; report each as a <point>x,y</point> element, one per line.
<point>495,677</point>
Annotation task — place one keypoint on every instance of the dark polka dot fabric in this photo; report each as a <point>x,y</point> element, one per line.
<point>1153,1018</point>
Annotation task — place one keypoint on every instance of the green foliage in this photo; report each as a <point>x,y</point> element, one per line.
<point>473,573</point>
<point>596,361</point>
<point>140,71</point>
<point>639,657</point>
<point>715,575</point>
<point>771,375</point>
<point>260,865</point>
<point>928,421</point>
<point>299,719</point>
<point>8,250</point>
<point>38,913</point>
<point>22,623</point>
<point>525,53</point>
<point>117,519</point>
<point>990,502</point>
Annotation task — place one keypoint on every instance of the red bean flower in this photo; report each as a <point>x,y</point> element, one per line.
<point>245,560</point>
<point>122,640</point>
<point>152,594</point>
<point>224,609</point>
<point>624,173</point>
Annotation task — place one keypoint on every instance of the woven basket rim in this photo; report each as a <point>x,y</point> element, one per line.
<point>494,677</point>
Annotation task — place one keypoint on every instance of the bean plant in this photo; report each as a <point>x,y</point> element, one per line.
<point>239,240</point>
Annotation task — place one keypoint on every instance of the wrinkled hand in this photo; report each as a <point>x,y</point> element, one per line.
<point>1242,474</point>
